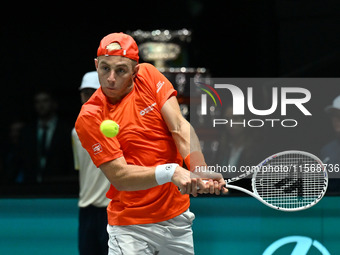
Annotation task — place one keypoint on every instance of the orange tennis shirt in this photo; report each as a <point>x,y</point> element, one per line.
<point>143,139</point>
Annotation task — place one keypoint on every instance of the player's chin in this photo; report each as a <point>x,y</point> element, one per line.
<point>111,92</point>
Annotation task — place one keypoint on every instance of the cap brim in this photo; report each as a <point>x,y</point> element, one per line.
<point>330,109</point>
<point>87,87</point>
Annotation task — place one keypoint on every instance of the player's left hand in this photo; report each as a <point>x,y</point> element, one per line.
<point>212,186</point>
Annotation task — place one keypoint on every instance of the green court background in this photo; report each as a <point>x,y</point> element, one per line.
<point>226,225</point>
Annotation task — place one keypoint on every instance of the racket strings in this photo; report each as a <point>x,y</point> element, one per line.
<point>290,181</point>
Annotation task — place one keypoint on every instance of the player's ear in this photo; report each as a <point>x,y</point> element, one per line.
<point>96,63</point>
<point>135,70</point>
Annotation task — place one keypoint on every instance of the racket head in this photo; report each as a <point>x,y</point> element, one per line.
<point>290,181</point>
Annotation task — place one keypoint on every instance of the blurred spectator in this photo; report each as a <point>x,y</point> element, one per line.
<point>92,235</point>
<point>13,167</point>
<point>330,153</point>
<point>45,147</point>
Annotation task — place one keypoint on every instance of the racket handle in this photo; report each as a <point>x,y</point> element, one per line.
<point>205,181</point>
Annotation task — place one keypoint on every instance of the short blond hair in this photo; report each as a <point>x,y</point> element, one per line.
<point>113,46</point>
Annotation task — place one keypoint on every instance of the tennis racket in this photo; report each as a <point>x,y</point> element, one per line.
<point>286,181</point>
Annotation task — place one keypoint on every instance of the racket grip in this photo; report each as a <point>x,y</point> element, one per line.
<point>205,181</point>
<point>198,188</point>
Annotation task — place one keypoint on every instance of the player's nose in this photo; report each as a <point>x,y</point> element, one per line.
<point>111,78</point>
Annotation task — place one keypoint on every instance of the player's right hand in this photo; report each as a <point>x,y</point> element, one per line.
<point>187,182</point>
<point>182,180</point>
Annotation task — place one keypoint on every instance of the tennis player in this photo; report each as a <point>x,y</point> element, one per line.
<point>93,185</point>
<point>149,209</point>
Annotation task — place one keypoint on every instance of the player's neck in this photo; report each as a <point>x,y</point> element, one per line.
<point>118,99</point>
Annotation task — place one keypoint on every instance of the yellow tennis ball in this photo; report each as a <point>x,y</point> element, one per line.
<point>109,128</point>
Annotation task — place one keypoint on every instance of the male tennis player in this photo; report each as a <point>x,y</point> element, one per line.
<point>148,212</point>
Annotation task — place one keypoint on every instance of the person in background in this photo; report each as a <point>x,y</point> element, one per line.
<point>92,234</point>
<point>13,168</point>
<point>330,153</point>
<point>45,147</point>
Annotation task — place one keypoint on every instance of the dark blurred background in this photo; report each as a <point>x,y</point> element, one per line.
<point>53,45</point>
<point>49,44</point>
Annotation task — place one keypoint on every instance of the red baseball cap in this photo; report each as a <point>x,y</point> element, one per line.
<point>129,48</point>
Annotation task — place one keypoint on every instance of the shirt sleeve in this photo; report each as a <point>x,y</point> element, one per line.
<point>159,84</point>
<point>101,148</point>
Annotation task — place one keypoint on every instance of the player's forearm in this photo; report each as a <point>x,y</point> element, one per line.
<point>186,140</point>
<point>134,178</point>
<point>181,135</point>
<point>129,177</point>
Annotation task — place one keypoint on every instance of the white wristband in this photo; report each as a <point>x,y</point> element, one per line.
<point>164,173</point>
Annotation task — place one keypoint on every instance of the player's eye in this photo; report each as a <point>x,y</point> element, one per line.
<point>105,68</point>
<point>121,71</point>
